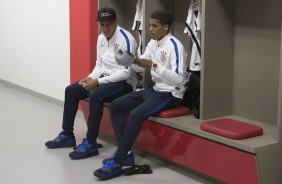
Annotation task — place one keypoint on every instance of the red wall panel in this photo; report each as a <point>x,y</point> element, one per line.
<point>83,37</point>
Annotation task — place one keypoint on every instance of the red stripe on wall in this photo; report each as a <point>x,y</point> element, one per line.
<point>83,38</point>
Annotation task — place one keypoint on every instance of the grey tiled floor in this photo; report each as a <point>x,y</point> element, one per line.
<point>27,122</point>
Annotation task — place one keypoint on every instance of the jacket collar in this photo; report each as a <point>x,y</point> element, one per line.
<point>162,41</point>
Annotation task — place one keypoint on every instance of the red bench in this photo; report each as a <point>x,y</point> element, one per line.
<point>174,112</point>
<point>231,128</point>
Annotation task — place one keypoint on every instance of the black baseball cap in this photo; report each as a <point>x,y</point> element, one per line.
<point>106,13</point>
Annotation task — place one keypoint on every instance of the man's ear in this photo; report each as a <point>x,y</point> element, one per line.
<point>166,28</point>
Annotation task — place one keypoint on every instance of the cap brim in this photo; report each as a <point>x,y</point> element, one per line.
<point>105,19</point>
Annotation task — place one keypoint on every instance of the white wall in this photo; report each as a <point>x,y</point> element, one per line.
<point>34,45</point>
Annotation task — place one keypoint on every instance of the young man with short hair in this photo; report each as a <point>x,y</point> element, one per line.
<point>107,81</point>
<point>166,57</point>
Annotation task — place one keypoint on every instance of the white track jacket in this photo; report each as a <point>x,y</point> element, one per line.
<point>106,64</point>
<point>170,57</point>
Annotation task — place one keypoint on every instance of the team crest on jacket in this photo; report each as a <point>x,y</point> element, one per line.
<point>116,45</point>
<point>163,58</point>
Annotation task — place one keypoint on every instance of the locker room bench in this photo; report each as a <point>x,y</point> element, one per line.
<point>181,140</point>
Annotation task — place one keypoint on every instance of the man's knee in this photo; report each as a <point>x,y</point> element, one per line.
<point>70,88</point>
<point>114,105</point>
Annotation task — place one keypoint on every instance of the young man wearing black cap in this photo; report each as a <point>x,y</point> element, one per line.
<point>166,57</point>
<point>107,81</point>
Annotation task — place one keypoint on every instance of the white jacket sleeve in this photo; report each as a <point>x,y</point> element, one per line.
<point>148,51</point>
<point>97,71</point>
<point>119,76</point>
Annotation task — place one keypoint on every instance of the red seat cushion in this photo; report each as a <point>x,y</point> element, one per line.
<point>232,129</point>
<point>174,112</point>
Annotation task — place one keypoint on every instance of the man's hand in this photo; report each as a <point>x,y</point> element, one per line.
<point>84,81</point>
<point>91,84</point>
<point>143,63</point>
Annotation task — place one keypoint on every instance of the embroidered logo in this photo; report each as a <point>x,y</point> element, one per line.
<point>116,45</point>
<point>163,58</point>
